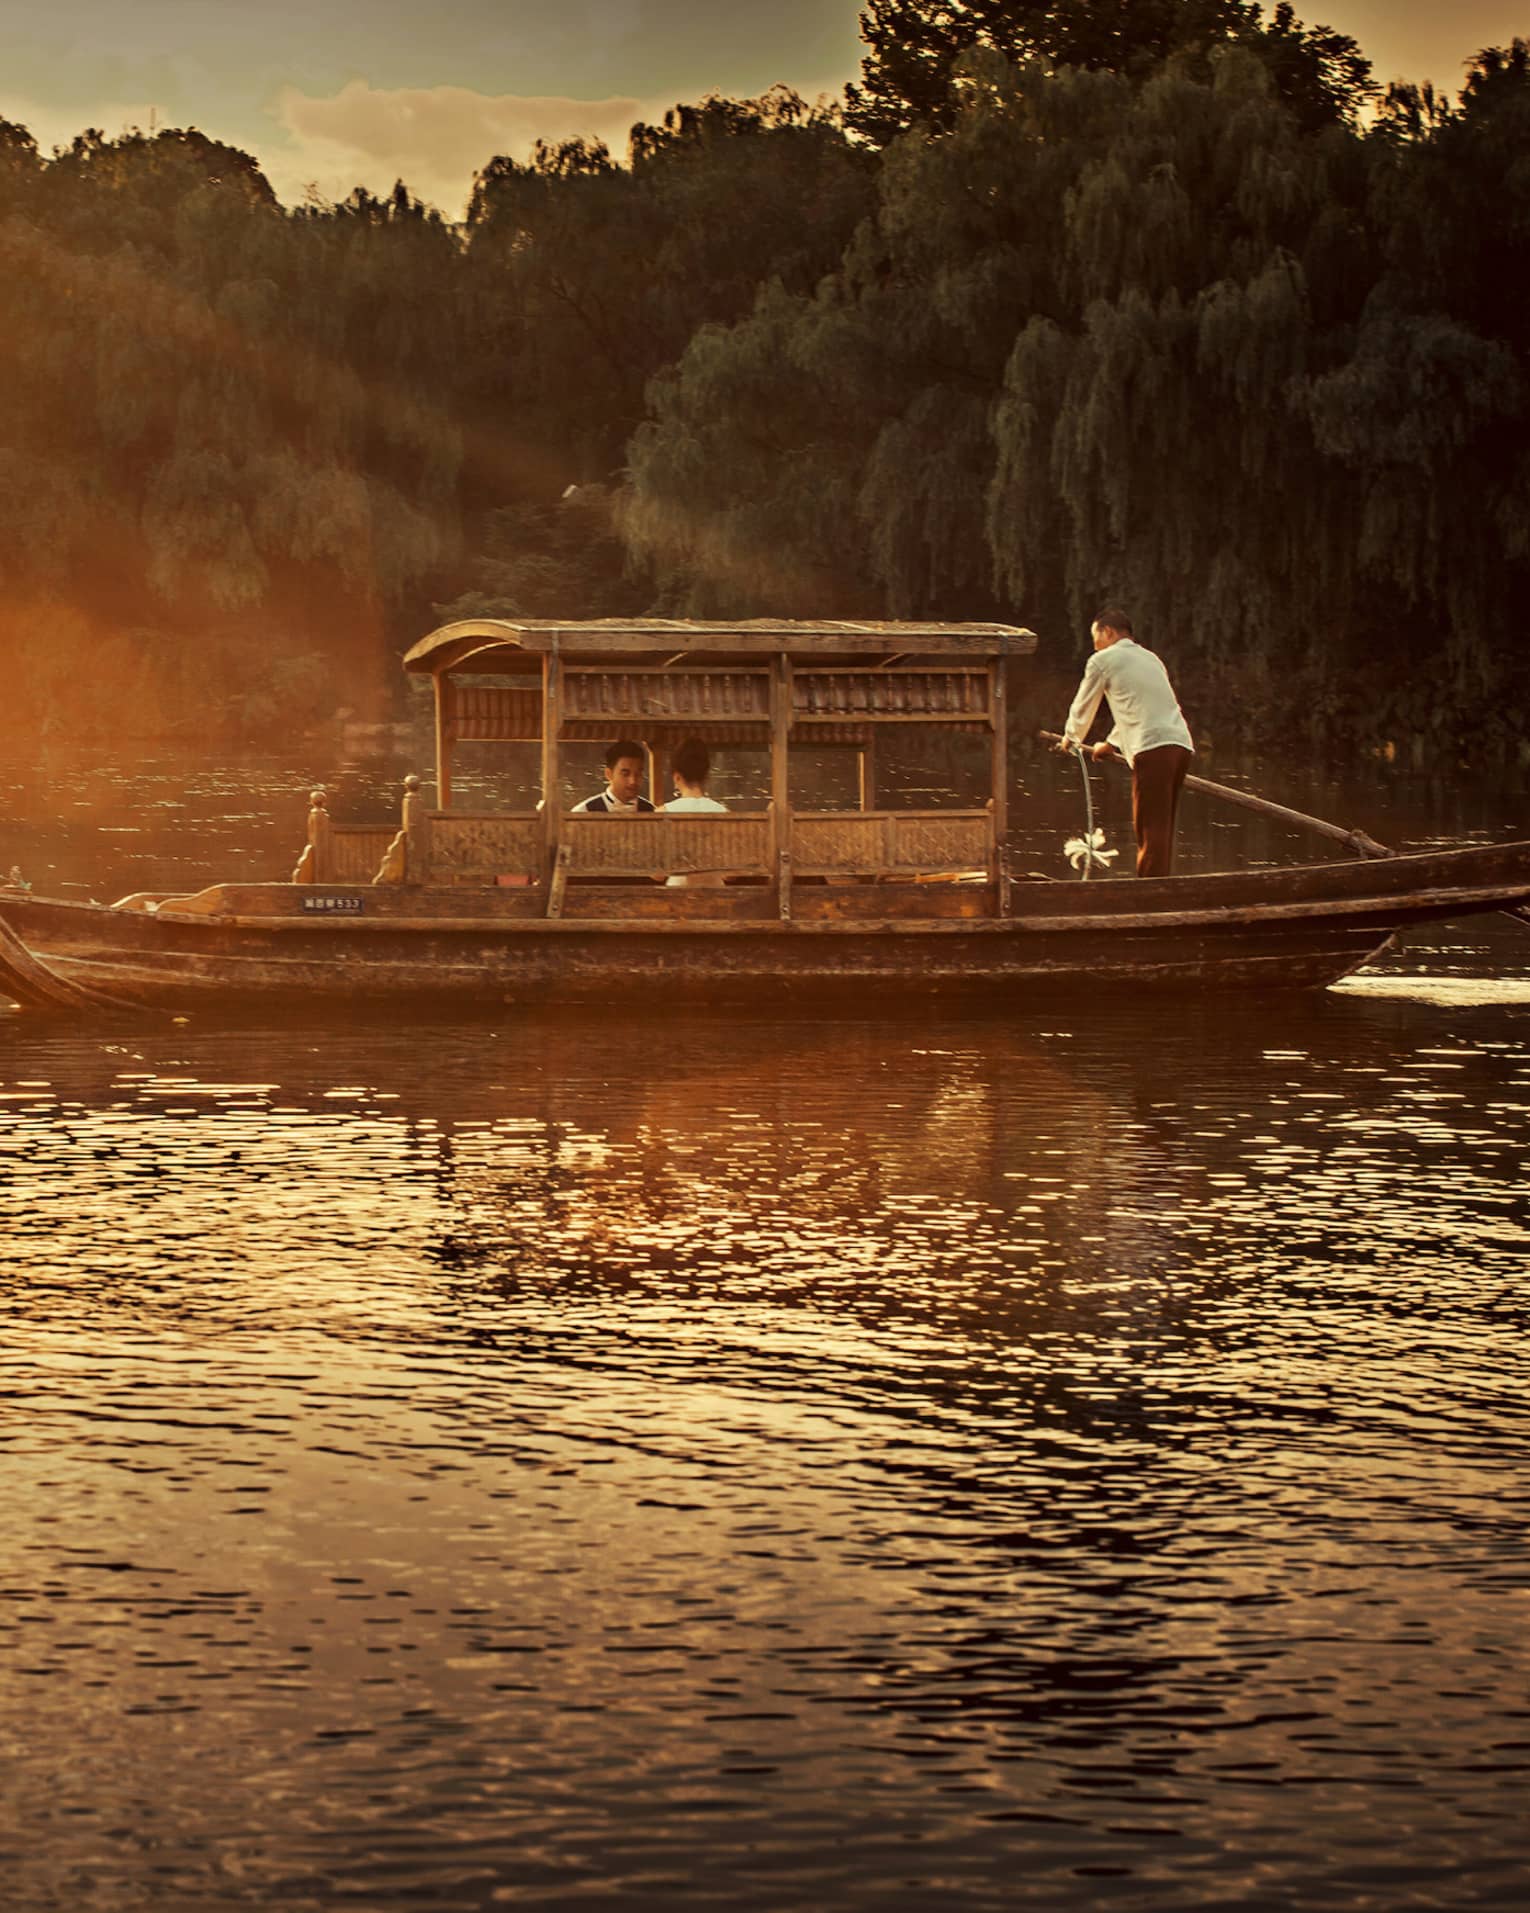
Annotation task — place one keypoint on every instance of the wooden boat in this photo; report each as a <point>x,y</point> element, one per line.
<point>478,908</point>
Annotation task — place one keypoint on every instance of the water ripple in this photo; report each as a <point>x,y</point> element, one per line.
<point>772,1462</point>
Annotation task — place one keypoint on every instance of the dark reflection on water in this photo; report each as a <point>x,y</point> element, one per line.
<point>784,1462</point>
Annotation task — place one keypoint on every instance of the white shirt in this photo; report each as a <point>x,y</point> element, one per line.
<point>692,804</point>
<point>1143,708</point>
<point>705,879</point>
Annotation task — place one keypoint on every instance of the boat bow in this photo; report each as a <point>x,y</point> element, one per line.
<point>37,986</point>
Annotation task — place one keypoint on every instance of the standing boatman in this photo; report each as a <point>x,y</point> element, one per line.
<point>1149,731</point>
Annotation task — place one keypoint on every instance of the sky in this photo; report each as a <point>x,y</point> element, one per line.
<point>328,95</point>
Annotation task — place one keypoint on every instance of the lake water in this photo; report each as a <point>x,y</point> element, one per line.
<point>1077,1458</point>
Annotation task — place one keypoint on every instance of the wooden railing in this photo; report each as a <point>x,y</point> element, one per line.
<point>356,854</point>
<point>459,846</point>
<point>340,853</point>
<point>732,842</point>
<point>890,842</point>
<point>484,847</point>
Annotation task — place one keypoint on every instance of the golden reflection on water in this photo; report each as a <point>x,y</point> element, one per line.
<point>783,1459</point>
<point>1448,992</point>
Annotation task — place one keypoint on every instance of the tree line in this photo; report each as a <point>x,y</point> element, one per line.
<point>1163,303</point>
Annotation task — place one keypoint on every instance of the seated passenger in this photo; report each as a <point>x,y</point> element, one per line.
<point>622,796</point>
<point>692,767</point>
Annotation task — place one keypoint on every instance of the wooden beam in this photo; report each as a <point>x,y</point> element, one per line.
<point>1377,912</point>
<point>866,767</point>
<point>444,713</point>
<point>552,799</point>
<point>559,883</point>
<point>998,711</point>
<point>780,782</point>
<point>937,720</point>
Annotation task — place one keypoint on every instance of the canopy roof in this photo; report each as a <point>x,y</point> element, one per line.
<point>489,646</point>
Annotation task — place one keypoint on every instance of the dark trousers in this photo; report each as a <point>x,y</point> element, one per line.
<point>1158,776</point>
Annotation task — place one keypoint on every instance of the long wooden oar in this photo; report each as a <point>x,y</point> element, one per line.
<point>1358,840</point>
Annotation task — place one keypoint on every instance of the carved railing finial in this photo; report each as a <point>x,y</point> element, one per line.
<point>313,865</point>
<point>407,859</point>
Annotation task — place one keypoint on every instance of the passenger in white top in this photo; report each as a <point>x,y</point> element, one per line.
<point>692,767</point>
<point>1148,729</point>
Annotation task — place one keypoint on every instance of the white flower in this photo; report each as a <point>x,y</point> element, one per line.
<point>1088,853</point>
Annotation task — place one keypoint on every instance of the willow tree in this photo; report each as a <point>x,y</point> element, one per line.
<point>1426,413</point>
<point>1150,440</point>
<point>1059,360</point>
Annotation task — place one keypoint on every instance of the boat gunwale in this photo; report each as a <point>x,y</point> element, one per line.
<point>1386,907</point>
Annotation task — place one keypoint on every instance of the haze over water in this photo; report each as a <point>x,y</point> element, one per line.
<point>1063,1458</point>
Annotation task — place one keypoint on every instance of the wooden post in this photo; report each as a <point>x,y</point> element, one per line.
<point>998,711</point>
<point>552,798</point>
<point>559,883</point>
<point>316,863</point>
<point>866,766</point>
<point>407,858</point>
<point>445,716</point>
<point>780,785</point>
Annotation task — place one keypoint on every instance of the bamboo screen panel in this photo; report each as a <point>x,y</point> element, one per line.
<point>926,694</point>
<point>498,841</point>
<point>494,712</point>
<point>866,843</point>
<point>694,696</point>
<point>353,855</point>
<point>604,846</point>
<point>665,735</point>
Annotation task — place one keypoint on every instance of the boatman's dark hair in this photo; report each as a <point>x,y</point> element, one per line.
<point>624,747</point>
<point>1114,619</point>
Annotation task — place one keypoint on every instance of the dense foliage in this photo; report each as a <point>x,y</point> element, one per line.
<point>247,455</point>
<point>1071,301</point>
<point>916,48</point>
<point>1149,332</point>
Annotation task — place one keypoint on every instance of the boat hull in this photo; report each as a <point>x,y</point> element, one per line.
<point>472,967</point>
<point>295,944</point>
